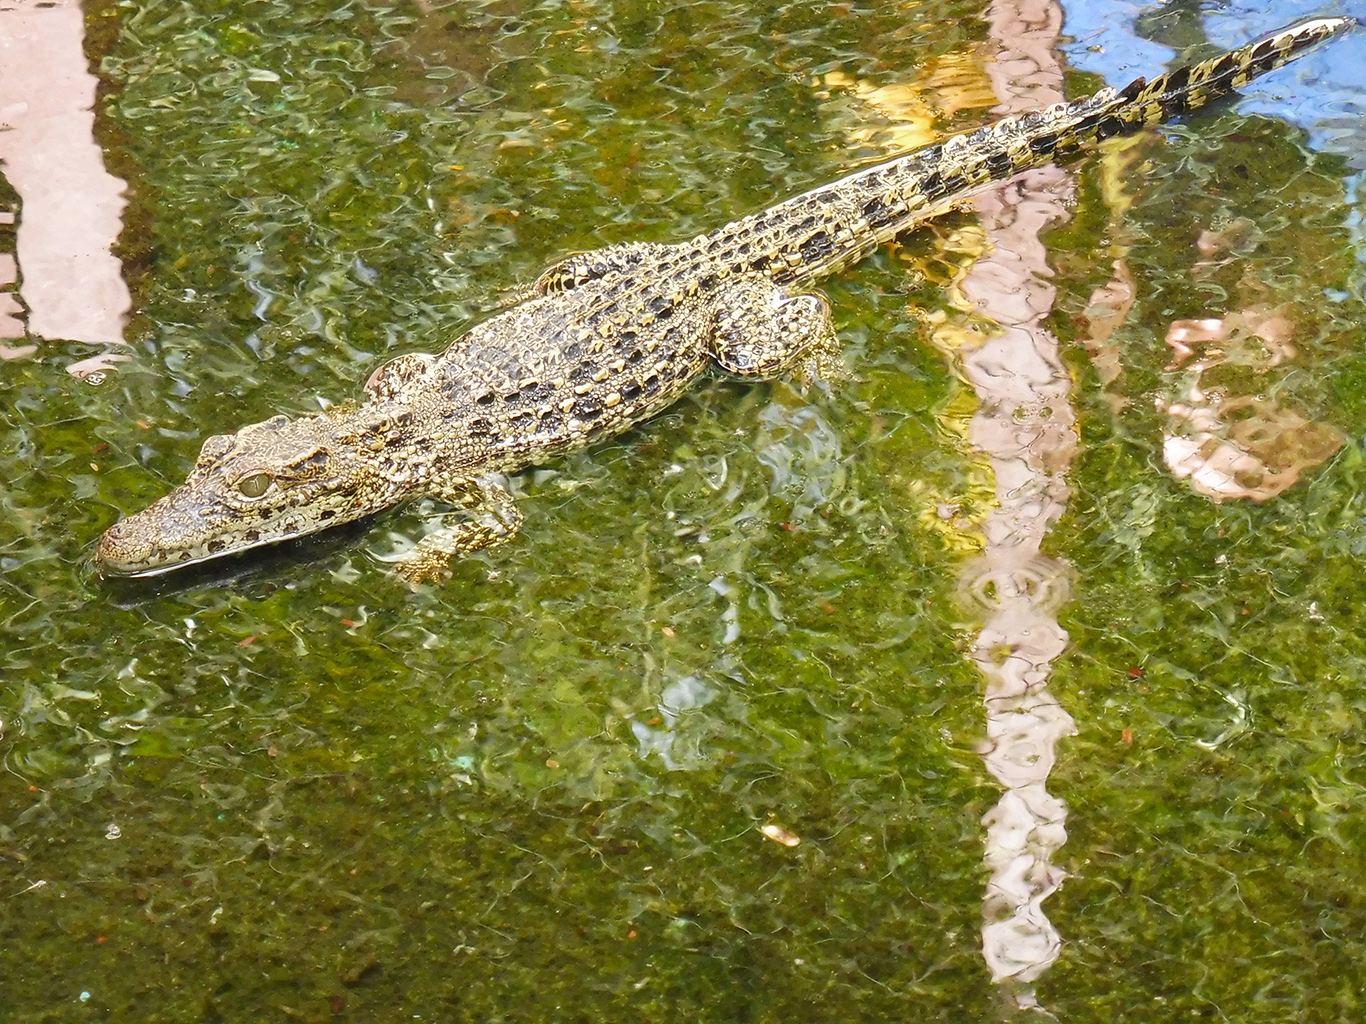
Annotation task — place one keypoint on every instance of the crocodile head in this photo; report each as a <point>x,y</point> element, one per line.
<point>268,482</point>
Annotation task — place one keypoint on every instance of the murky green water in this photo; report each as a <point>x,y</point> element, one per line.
<point>538,791</point>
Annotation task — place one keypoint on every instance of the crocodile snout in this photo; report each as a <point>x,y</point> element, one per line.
<point>118,550</point>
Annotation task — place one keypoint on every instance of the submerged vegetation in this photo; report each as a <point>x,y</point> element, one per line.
<point>565,784</point>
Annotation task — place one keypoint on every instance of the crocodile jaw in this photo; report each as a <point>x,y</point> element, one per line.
<point>269,482</point>
<point>187,527</point>
<point>164,536</point>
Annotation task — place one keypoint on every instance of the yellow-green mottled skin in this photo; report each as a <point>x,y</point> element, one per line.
<point>608,338</point>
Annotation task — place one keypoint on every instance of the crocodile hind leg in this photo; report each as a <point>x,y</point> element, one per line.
<point>484,500</point>
<point>759,330</point>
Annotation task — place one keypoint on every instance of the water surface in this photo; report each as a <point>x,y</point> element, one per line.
<point>1042,635</point>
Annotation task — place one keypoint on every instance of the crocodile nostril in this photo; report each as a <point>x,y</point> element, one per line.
<point>116,534</point>
<point>112,541</point>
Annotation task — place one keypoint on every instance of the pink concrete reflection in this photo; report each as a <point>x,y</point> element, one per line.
<point>1026,426</point>
<point>63,281</point>
<point>1238,445</point>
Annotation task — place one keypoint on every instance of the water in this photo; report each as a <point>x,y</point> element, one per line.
<point>1041,636</point>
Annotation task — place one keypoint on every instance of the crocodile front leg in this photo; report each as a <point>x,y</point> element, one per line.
<point>484,500</point>
<point>582,267</point>
<point>759,330</point>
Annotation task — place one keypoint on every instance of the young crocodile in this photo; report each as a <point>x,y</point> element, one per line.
<point>611,337</point>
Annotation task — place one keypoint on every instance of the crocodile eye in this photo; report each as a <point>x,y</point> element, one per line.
<point>253,486</point>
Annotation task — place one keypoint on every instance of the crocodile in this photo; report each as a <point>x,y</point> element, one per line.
<point>608,338</point>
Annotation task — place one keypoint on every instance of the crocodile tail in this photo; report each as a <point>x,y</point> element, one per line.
<point>1142,104</point>
<point>797,243</point>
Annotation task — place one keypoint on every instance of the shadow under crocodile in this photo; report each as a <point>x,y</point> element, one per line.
<point>254,573</point>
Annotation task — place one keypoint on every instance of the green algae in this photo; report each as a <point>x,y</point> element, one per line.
<point>536,792</point>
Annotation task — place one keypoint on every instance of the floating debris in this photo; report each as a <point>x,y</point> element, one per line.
<point>780,835</point>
